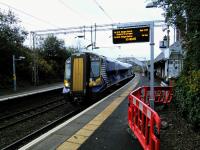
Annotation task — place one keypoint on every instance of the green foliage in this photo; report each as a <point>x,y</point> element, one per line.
<point>52,47</point>
<point>10,33</point>
<point>24,67</point>
<point>50,58</point>
<point>46,71</point>
<point>187,97</point>
<point>192,46</point>
<point>11,40</point>
<point>185,15</point>
<point>55,54</point>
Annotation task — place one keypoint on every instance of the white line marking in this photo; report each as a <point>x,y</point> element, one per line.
<point>42,137</point>
<point>140,106</point>
<point>148,113</point>
<point>134,101</point>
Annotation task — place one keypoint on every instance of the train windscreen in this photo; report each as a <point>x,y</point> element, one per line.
<point>68,71</point>
<point>95,69</point>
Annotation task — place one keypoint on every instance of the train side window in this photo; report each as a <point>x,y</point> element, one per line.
<point>68,71</point>
<point>95,69</point>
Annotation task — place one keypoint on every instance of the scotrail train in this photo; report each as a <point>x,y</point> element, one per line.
<point>88,74</point>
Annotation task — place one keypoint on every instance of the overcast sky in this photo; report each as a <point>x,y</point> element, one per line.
<point>48,14</point>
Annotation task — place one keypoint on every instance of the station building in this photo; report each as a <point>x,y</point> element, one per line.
<point>169,63</point>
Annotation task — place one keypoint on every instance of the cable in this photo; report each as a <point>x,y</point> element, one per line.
<point>102,9</point>
<point>25,13</point>
<point>70,8</point>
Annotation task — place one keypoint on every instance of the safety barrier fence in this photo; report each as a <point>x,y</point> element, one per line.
<point>143,121</point>
<point>162,95</point>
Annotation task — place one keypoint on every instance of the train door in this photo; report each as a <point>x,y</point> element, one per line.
<point>79,74</point>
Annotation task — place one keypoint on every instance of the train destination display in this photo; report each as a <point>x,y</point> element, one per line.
<point>130,35</point>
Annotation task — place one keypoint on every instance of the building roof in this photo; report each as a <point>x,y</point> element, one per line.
<point>176,47</point>
<point>160,57</point>
<point>165,54</point>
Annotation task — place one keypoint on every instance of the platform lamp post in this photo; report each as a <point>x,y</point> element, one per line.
<point>14,71</point>
<point>155,5</point>
<point>151,100</point>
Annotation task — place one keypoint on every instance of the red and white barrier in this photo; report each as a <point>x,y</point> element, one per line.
<point>143,121</point>
<point>162,95</point>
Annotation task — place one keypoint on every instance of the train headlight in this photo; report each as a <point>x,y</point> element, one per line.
<point>98,81</point>
<point>91,82</point>
<point>66,83</point>
<point>95,82</point>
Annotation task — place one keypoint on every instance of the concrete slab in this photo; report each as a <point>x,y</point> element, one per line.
<point>49,143</point>
<point>112,134</point>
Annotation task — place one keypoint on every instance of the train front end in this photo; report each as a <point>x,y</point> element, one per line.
<point>76,77</point>
<point>83,77</point>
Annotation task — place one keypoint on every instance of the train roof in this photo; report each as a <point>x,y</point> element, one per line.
<point>112,64</point>
<point>112,61</point>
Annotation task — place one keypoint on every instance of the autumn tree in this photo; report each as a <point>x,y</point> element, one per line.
<point>11,42</point>
<point>53,50</point>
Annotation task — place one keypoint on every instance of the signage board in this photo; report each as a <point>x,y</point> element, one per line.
<point>131,35</point>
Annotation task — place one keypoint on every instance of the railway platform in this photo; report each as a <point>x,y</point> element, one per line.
<point>101,126</point>
<point>30,91</point>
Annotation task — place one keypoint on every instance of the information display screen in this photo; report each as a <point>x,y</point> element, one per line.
<point>130,35</point>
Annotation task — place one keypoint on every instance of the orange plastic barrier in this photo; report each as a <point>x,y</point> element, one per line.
<point>162,95</point>
<point>143,121</point>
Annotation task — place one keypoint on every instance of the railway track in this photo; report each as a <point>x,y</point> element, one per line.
<point>27,138</point>
<point>21,121</point>
<point>18,117</point>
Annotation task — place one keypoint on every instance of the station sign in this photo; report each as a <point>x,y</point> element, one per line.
<point>130,35</point>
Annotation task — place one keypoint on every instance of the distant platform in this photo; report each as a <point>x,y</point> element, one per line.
<point>27,92</point>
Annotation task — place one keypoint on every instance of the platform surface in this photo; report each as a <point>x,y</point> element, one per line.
<point>31,91</point>
<point>101,126</point>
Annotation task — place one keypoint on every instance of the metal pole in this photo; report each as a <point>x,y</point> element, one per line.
<point>91,38</point>
<point>168,35</point>
<point>95,30</point>
<point>152,66</point>
<point>78,44</point>
<point>174,34</point>
<point>34,61</point>
<point>84,31</point>
<point>14,75</point>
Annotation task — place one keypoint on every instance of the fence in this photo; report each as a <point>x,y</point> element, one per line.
<point>143,121</point>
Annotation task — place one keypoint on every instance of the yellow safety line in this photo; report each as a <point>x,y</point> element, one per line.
<point>76,140</point>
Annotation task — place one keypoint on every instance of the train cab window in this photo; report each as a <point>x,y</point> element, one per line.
<point>68,71</point>
<point>95,69</point>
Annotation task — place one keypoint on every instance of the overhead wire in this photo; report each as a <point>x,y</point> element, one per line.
<point>27,14</point>
<point>71,9</point>
<point>103,10</point>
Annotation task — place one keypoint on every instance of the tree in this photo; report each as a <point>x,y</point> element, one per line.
<point>11,41</point>
<point>55,53</point>
<point>185,15</point>
<point>52,47</point>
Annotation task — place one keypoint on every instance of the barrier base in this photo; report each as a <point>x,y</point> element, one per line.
<point>129,131</point>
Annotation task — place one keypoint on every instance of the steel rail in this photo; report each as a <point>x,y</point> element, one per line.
<point>32,115</point>
<point>22,141</point>
<point>5,117</point>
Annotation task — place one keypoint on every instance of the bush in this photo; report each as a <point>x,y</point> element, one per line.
<point>187,97</point>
